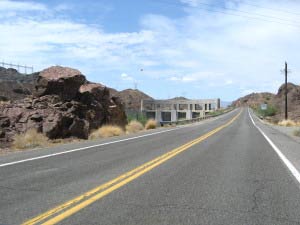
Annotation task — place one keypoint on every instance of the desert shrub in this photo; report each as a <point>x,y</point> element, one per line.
<point>287,123</point>
<point>134,126</point>
<point>270,111</point>
<point>151,124</point>
<point>138,117</point>
<point>30,139</point>
<point>296,132</point>
<point>106,131</point>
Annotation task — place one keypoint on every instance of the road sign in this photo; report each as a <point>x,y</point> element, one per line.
<point>263,106</point>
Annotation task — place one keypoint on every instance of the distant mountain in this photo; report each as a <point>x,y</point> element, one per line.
<point>131,98</point>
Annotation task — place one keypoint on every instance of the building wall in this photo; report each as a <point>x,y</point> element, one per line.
<point>201,106</point>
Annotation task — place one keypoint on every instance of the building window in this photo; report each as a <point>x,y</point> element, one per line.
<point>150,115</point>
<point>166,116</point>
<point>196,115</point>
<point>198,107</point>
<point>183,106</point>
<point>181,115</point>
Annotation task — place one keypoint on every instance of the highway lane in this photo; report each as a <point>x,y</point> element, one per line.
<point>32,187</point>
<point>231,177</point>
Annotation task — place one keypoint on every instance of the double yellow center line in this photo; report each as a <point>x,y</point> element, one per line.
<point>68,208</point>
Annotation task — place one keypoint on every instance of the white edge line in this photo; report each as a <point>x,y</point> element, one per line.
<point>289,165</point>
<point>93,146</point>
<point>83,148</point>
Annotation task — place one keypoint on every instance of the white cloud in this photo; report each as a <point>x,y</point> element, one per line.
<point>202,48</point>
<point>126,77</point>
<point>7,5</point>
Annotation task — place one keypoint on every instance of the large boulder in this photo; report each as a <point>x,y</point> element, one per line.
<point>62,81</point>
<point>65,105</point>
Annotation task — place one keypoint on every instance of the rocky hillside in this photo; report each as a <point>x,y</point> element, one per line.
<point>14,85</point>
<point>64,104</point>
<point>293,101</point>
<point>132,98</point>
<point>254,99</point>
<point>277,100</point>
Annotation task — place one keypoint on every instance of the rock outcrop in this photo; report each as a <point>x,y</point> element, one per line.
<point>293,101</point>
<point>64,104</point>
<point>14,85</point>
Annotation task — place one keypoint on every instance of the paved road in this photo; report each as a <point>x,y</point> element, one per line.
<point>229,176</point>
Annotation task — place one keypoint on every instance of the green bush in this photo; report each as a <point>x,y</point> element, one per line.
<point>138,117</point>
<point>270,111</point>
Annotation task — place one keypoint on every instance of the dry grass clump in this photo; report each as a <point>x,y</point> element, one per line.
<point>287,123</point>
<point>30,139</point>
<point>134,126</point>
<point>296,132</point>
<point>151,124</point>
<point>106,131</point>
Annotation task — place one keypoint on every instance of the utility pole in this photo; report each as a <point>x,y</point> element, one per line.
<point>286,92</point>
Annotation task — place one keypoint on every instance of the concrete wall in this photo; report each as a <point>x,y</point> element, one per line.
<point>201,106</point>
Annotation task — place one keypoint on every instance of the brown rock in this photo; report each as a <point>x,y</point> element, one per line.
<point>61,81</point>
<point>66,106</point>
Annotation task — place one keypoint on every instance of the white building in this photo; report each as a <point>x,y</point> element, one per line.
<point>178,109</point>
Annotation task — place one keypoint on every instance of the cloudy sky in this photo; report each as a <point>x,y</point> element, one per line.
<point>168,48</point>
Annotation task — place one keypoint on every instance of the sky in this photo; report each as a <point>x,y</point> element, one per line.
<point>166,48</point>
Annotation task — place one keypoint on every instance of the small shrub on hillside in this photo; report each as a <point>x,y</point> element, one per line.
<point>270,111</point>
<point>287,123</point>
<point>106,131</point>
<point>296,132</point>
<point>30,139</point>
<point>151,124</point>
<point>134,126</point>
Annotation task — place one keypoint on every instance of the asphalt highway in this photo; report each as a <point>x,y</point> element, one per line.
<point>220,171</point>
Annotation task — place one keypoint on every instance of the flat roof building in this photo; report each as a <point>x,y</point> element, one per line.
<point>178,109</point>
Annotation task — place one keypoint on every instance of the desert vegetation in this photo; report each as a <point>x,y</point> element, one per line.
<point>137,117</point>
<point>106,131</point>
<point>287,123</point>
<point>150,124</point>
<point>30,139</point>
<point>270,111</point>
<point>134,126</point>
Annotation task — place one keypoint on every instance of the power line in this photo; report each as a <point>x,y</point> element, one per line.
<point>234,14</point>
<point>255,14</point>
<point>273,9</point>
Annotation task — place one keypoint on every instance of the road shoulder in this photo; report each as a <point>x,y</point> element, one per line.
<point>288,145</point>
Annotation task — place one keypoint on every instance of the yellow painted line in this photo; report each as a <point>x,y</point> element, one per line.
<point>106,188</point>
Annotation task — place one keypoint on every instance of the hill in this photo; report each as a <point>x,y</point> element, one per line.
<point>132,98</point>
<point>254,99</point>
<point>276,100</point>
